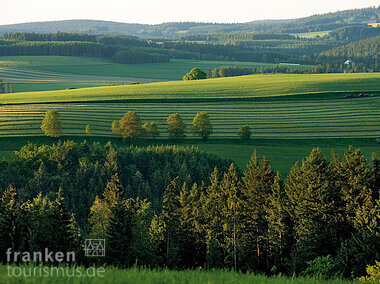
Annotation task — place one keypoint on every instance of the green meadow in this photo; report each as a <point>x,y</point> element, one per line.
<point>252,86</point>
<point>45,73</point>
<point>289,114</point>
<point>146,276</point>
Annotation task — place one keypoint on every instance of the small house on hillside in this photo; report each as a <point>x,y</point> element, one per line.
<point>349,62</point>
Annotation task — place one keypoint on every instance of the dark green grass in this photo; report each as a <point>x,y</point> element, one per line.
<point>35,87</point>
<point>282,153</point>
<point>174,70</point>
<point>146,276</point>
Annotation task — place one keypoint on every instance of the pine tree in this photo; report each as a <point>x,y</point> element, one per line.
<point>279,225</point>
<point>119,236</point>
<point>65,229</point>
<point>13,224</point>
<point>171,215</point>
<point>230,211</point>
<point>101,210</point>
<point>257,185</point>
<point>315,213</point>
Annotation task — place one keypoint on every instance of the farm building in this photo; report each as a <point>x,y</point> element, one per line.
<point>349,62</point>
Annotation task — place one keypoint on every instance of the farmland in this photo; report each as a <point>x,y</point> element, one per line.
<point>41,73</point>
<point>252,86</point>
<point>296,123</point>
<point>296,112</point>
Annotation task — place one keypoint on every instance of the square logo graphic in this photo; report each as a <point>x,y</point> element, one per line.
<point>95,247</point>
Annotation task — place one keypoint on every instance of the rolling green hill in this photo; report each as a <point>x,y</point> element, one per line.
<point>46,73</point>
<point>289,114</point>
<point>253,86</point>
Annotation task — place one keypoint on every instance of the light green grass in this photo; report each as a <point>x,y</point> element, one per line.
<point>146,276</point>
<point>301,118</point>
<point>236,87</point>
<point>312,34</point>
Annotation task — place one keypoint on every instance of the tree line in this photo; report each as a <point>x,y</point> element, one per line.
<point>232,71</point>
<point>59,36</point>
<point>323,220</point>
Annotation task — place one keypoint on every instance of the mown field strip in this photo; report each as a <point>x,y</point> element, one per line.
<point>357,118</point>
<point>270,86</point>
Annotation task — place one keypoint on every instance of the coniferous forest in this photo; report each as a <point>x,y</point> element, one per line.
<point>181,208</point>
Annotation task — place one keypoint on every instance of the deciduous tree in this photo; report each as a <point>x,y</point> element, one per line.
<point>51,124</point>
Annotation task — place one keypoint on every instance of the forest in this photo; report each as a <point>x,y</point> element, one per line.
<point>181,208</point>
<point>359,43</point>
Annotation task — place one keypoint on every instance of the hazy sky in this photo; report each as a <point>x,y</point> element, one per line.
<point>158,11</point>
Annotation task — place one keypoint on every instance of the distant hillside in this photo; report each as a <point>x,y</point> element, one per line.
<point>82,26</point>
<point>363,48</point>
<point>323,22</point>
<point>364,55</point>
<point>332,21</point>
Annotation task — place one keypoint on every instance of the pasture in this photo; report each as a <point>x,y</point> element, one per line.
<point>302,118</point>
<point>44,73</point>
<point>289,114</point>
<point>252,86</point>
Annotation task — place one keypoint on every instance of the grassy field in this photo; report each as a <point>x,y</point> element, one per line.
<point>40,73</point>
<point>252,86</point>
<point>302,118</point>
<point>289,114</point>
<point>312,34</point>
<point>136,276</point>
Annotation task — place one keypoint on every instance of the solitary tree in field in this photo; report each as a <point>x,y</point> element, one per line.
<point>245,132</point>
<point>176,126</point>
<point>150,130</point>
<point>129,127</point>
<point>88,129</point>
<point>51,124</point>
<point>195,74</point>
<point>202,125</point>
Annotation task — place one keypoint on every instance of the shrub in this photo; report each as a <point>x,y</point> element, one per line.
<point>322,267</point>
<point>373,272</point>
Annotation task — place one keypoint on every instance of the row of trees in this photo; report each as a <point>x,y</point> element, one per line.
<point>59,36</point>
<point>232,71</point>
<point>129,127</point>
<point>323,220</point>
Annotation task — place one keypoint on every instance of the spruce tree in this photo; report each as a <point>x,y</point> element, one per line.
<point>171,213</point>
<point>101,210</point>
<point>257,184</point>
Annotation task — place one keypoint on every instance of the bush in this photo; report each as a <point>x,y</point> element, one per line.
<point>373,274</point>
<point>322,267</point>
<point>195,74</point>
